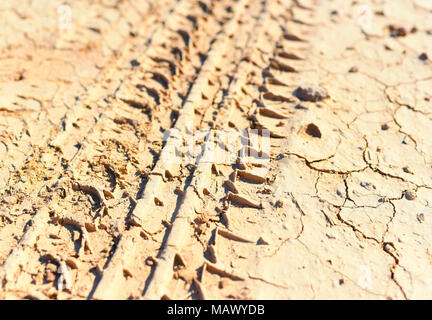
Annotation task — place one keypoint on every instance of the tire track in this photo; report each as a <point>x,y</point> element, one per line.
<point>183,126</point>
<point>120,115</point>
<point>203,178</point>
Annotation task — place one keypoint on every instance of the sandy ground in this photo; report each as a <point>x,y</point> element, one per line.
<point>320,109</point>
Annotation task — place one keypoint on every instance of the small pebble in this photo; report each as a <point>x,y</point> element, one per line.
<point>410,195</point>
<point>279,204</point>
<point>313,130</point>
<point>353,70</point>
<point>423,56</point>
<point>397,31</point>
<point>420,217</point>
<point>311,93</point>
<point>388,247</point>
<point>407,170</point>
<point>262,241</point>
<point>134,63</point>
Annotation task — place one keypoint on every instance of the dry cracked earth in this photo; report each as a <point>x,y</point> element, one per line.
<point>339,206</point>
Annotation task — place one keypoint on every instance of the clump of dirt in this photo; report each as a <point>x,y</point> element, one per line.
<point>310,92</point>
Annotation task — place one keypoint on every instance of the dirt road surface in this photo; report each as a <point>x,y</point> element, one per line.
<point>326,188</point>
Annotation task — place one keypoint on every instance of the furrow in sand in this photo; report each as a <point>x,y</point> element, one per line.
<point>243,101</point>
<point>107,287</point>
<point>203,176</point>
